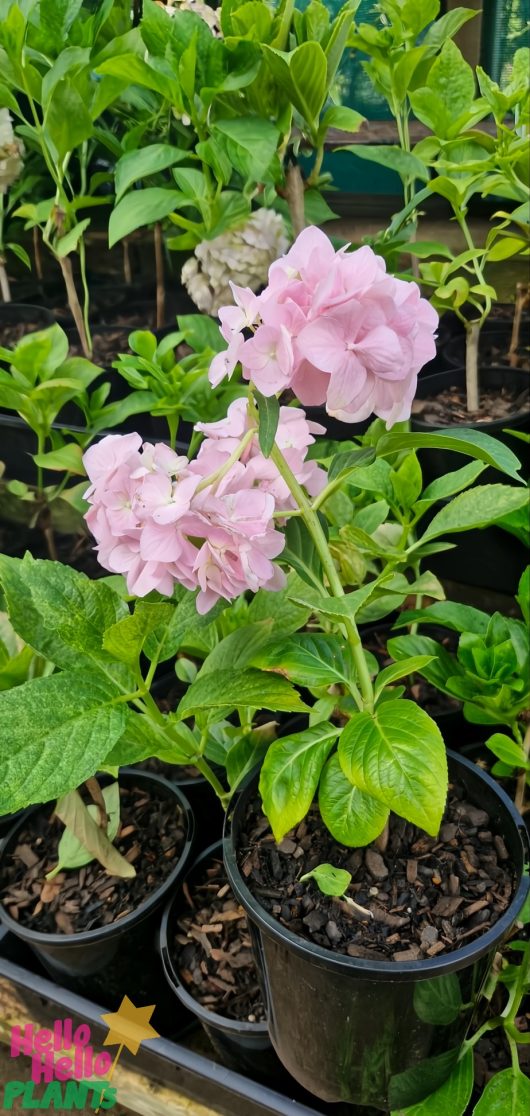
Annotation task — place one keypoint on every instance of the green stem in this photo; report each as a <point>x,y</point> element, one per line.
<point>173,425</point>
<point>214,478</point>
<point>317,166</point>
<point>41,446</point>
<point>86,293</point>
<point>521,778</point>
<point>314,527</point>
<point>203,766</point>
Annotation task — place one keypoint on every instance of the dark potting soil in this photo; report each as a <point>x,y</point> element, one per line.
<point>151,837</point>
<point>73,550</point>
<point>213,952</point>
<point>427,895</point>
<point>107,344</point>
<point>10,335</point>
<point>448,408</point>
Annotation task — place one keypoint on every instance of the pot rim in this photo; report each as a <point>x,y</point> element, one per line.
<point>90,937</point>
<point>211,1018</point>
<point>436,381</point>
<point>385,970</point>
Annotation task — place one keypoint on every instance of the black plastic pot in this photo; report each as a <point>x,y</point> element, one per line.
<point>107,958</point>
<point>335,429</point>
<point>376,1033</point>
<point>21,318</point>
<point>240,1045</point>
<point>178,1062</point>
<point>7,821</point>
<point>436,463</point>
<point>490,558</point>
<point>494,343</point>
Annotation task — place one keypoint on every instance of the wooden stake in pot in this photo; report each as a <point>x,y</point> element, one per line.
<point>295,198</point>
<point>522,298</point>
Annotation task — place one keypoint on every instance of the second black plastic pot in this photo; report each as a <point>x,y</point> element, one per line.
<point>240,1045</point>
<point>121,956</point>
<point>18,319</point>
<point>436,463</point>
<point>376,1033</point>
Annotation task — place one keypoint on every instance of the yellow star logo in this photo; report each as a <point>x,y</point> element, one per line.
<point>129,1026</point>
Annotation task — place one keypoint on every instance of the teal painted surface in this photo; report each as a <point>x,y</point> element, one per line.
<point>349,174</point>
<point>505,27</point>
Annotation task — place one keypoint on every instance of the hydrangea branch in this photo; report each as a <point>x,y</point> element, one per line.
<point>314,527</point>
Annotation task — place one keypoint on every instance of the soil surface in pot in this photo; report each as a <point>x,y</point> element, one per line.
<point>11,334</point>
<point>212,949</point>
<point>448,408</point>
<point>107,343</point>
<point>424,895</point>
<point>152,835</point>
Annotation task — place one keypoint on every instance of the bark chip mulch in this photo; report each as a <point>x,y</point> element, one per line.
<point>424,896</point>
<point>212,947</point>
<point>152,835</point>
<point>449,407</point>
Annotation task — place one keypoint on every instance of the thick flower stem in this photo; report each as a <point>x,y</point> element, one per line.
<point>314,527</point>
<point>203,766</point>
<point>73,302</point>
<point>294,193</point>
<point>214,478</point>
<point>4,282</point>
<point>472,337</point>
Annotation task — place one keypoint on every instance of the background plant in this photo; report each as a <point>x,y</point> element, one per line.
<point>11,165</point>
<point>407,46</point>
<point>464,163</point>
<point>505,992</point>
<point>229,113</point>
<point>174,384</point>
<point>47,59</point>
<point>490,673</point>
<point>37,381</point>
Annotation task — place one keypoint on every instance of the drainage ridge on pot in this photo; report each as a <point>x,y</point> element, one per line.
<point>241,1045</point>
<point>89,952</point>
<point>374,1032</point>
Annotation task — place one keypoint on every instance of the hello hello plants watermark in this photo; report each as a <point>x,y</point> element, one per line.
<point>66,1071</point>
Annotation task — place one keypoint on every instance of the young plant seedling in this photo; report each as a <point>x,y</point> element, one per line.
<point>335,882</point>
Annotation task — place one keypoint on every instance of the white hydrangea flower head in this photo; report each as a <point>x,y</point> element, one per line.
<point>242,255</point>
<point>209,15</point>
<point>11,152</point>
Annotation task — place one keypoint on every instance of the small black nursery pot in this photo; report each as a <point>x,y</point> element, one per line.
<point>241,1045</point>
<point>376,1032</point>
<point>436,463</point>
<point>17,319</point>
<point>104,960</point>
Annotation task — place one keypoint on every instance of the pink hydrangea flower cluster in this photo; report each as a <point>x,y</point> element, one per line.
<point>294,435</point>
<point>334,328</point>
<point>156,521</point>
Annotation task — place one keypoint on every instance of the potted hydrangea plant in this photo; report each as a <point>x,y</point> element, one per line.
<point>370,793</point>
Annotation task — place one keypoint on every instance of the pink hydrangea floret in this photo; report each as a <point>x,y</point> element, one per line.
<point>294,435</point>
<point>334,328</point>
<point>209,524</point>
